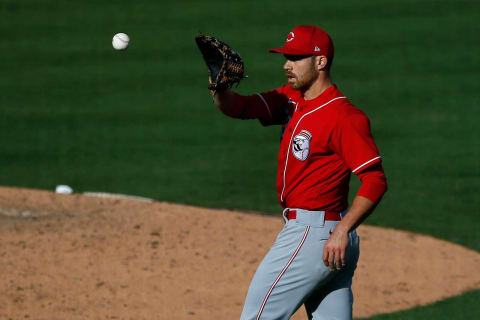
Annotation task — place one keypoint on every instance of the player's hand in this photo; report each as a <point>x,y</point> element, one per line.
<point>334,250</point>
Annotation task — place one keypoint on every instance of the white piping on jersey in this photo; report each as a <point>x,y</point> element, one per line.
<point>266,105</point>
<point>366,163</point>
<point>290,143</point>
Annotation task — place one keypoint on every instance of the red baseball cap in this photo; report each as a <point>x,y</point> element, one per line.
<point>307,40</point>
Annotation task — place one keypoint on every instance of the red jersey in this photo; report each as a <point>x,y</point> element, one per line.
<point>323,141</point>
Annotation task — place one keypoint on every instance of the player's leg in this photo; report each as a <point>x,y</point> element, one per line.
<point>288,274</point>
<point>334,300</point>
<point>333,303</point>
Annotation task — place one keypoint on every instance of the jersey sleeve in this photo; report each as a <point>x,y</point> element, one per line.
<point>276,102</point>
<point>353,141</point>
<point>269,107</point>
<point>374,183</point>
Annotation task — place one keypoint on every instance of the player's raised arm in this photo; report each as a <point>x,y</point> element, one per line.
<point>237,106</point>
<point>269,107</point>
<point>226,68</point>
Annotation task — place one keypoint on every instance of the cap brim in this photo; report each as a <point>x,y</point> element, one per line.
<point>290,51</point>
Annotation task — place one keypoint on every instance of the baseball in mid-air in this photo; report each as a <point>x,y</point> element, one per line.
<point>121,41</point>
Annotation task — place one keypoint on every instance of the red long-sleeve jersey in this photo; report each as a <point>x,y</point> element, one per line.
<point>323,141</point>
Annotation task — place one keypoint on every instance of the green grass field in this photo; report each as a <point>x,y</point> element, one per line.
<point>74,111</point>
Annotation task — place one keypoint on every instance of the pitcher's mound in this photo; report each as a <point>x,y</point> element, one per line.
<point>80,257</point>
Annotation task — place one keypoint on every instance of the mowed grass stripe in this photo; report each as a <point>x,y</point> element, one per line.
<point>458,308</point>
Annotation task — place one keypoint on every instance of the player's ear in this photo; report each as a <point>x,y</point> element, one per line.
<point>321,62</point>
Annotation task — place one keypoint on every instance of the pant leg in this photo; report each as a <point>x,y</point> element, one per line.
<point>334,300</point>
<point>288,274</point>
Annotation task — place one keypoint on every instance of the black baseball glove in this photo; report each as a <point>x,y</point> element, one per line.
<point>224,64</point>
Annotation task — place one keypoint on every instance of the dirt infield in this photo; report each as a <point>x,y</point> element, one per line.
<point>80,257</point>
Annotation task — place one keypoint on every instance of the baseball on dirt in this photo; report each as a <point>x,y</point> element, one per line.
<point>121,41</point>
<point>62,188</point>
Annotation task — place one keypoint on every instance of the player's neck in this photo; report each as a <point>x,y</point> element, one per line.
<point>317,88</point>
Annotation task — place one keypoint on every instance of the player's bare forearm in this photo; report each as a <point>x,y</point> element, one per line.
<point>334,250</point>
<point>358,212</point>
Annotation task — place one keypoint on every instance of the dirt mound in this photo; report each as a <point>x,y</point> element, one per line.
<point>80,257</point>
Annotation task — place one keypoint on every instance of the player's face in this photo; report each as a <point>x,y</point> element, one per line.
<point>300,71</point>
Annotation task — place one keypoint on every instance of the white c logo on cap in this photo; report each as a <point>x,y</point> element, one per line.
<point>290,37</point>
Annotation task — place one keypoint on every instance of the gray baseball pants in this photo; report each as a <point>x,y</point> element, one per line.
<point>293,273</point>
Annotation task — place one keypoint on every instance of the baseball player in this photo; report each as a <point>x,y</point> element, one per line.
<point>325,138</point>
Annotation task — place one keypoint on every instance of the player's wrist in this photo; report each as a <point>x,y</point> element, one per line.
<point>342,228</point>
<point>225,102</point>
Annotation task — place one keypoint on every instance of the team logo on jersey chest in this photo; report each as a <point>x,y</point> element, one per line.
<point>301,145</point>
